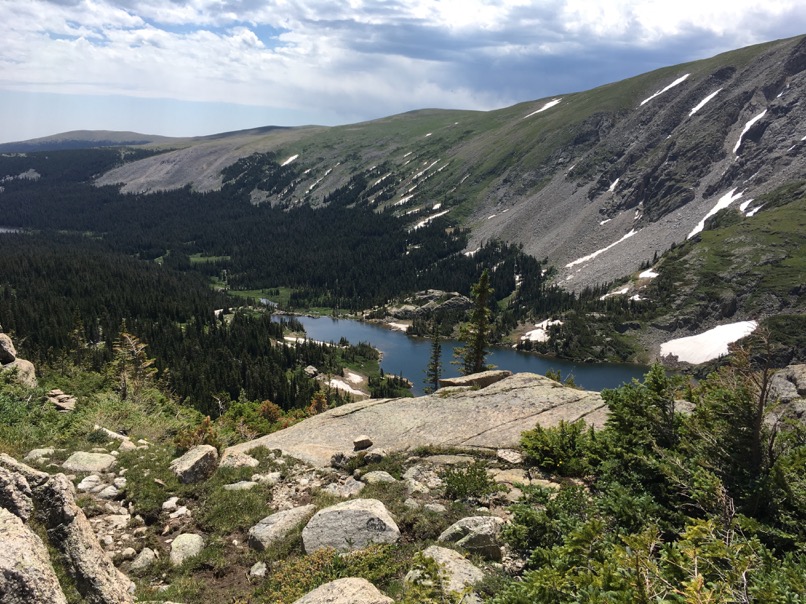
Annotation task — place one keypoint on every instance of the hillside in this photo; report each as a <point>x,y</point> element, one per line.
<point>566,176</point>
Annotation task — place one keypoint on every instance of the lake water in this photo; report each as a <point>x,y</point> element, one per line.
<point>410,356</point>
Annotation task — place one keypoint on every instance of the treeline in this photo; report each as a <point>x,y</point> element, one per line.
<point>68,299</point>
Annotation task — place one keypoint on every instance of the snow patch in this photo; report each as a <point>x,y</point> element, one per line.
<point>403,200</point>
<point>289,160</point>
<point>708,345</point>
<point>679,80</point>
<point>425,221</point>
<point>472,253</point>
<point>429,134</point>
<point>702,103</point>
<point>601,251</point>
<point>491,216</point>
<point>724,201</point>
<point>548,105</point>
<point>754,211</point>
<point>648,274</point>
<point>540,334</point>
<point>398,326</point>
<point>343,386</point>
<point>605,221</point>
<point>747,127</point>
<point>618,292</point>
<point>436,206</point>
<point>352,377</point>
<point>612,186</point>
<point>744,204</point>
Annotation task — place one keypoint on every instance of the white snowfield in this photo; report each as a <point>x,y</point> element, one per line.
<point>618,292</point>
<point>340,384</point>
<point>702,103</point>
<point>747,127</point>
<point>679,80</point>
<point>548,105</point>
<point>289,160</point>
<point>708,345</point>
<point>724,201</point>
<point>648,274</point>
<point>601,251</point>
<point>427,220</point>
<point>541,334</point>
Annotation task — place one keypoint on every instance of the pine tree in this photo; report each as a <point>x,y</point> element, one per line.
<point>476,333</point>
<point>434,370</point>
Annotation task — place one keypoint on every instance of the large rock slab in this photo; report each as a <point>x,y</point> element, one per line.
<point>490,418</point>
<point>81,461</point>
<point>26,576</point>
<point>476,380</point>
<point>345,591</point>
<point>26,372</point>
<point>350,526</point>
<point>273,529</point>
<point>196,465</point>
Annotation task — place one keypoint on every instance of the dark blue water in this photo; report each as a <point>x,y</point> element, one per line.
<point>410,356</point>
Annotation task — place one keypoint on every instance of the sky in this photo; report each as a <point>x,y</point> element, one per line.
<point>195,67</point>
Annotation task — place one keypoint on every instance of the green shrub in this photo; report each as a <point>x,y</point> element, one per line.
<point>562,449</point>
<point>466,482</point>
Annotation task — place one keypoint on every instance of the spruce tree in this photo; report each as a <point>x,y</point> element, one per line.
<point>476,333</point>
<point>434,370</point>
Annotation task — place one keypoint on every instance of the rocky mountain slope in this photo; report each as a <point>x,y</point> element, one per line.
<point>598,181</point>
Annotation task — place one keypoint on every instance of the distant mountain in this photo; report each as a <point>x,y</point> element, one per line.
<point>85,139</point>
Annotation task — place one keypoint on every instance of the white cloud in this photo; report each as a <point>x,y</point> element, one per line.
<point>362,58</point>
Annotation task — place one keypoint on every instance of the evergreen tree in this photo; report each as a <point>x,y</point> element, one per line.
<point>476,333</point>
<point>434,369</point>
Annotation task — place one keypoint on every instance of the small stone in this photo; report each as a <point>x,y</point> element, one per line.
<point>81,461</point>
<point>509,456</point>
<point>437,508</point>
<point>238,460</point>
<point>128,553</point>
<point>144,559</point>
<point>362,442</point>
<point>273,529</point>
<point>348,488</point>
<point>171,504</point>
<point>119,483</point>
<point>271,478</point>
<point>127,446</point>
<point>243,485</point>
<point>259,570</point>
<point>109,492</point>
<point>179,513</point>
<point>39,455</point>
<point>186,546</point>
<point>90,483</point>
<point>195,465</point>
<point>377,477</point>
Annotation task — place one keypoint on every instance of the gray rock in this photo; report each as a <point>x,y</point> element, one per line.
<point>476,534</point>
<point>243,485</point>
<point>7,352</point>
<point>195,465</point>
<point>350,526</point>
<point>458,574</point>
<point>345,591</point>
<point>26,372</point>
<point>15,494</point>
<point>273,529</point>
<point>110,434</point>
<point>421,479</point>
<point>127,446</point>
<point>377,477</point>
<point>26,575</point>
<point>509,456</point>
<point>39,454</point>
<point>109,492</point>
<point>238,460</point>
<point>437,508</point>
<point>349,488</point>
<point>271,478</point>
<point>170,504</point>
<point>491,418</point>
<point>95,576</point>
<point>476,380</point>
<point>362,442</point>
<point>128,553</point>
<point>259,570</point>
<point>80,461</point>
<point>144,559</point>
<point>186,546</point>
<point>89,483</point>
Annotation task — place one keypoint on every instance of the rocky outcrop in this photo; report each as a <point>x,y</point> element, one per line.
<point>476,380</point>
<point>7,351</point>
<point>350,526</point>
<point>788,388</point>
<point>345,591</point>
<point>15,494</point>
<point>276,527</point>
<point>490,418</point>
<point>71,534</point>
<point>195,465</point>
<point>26,575</point>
